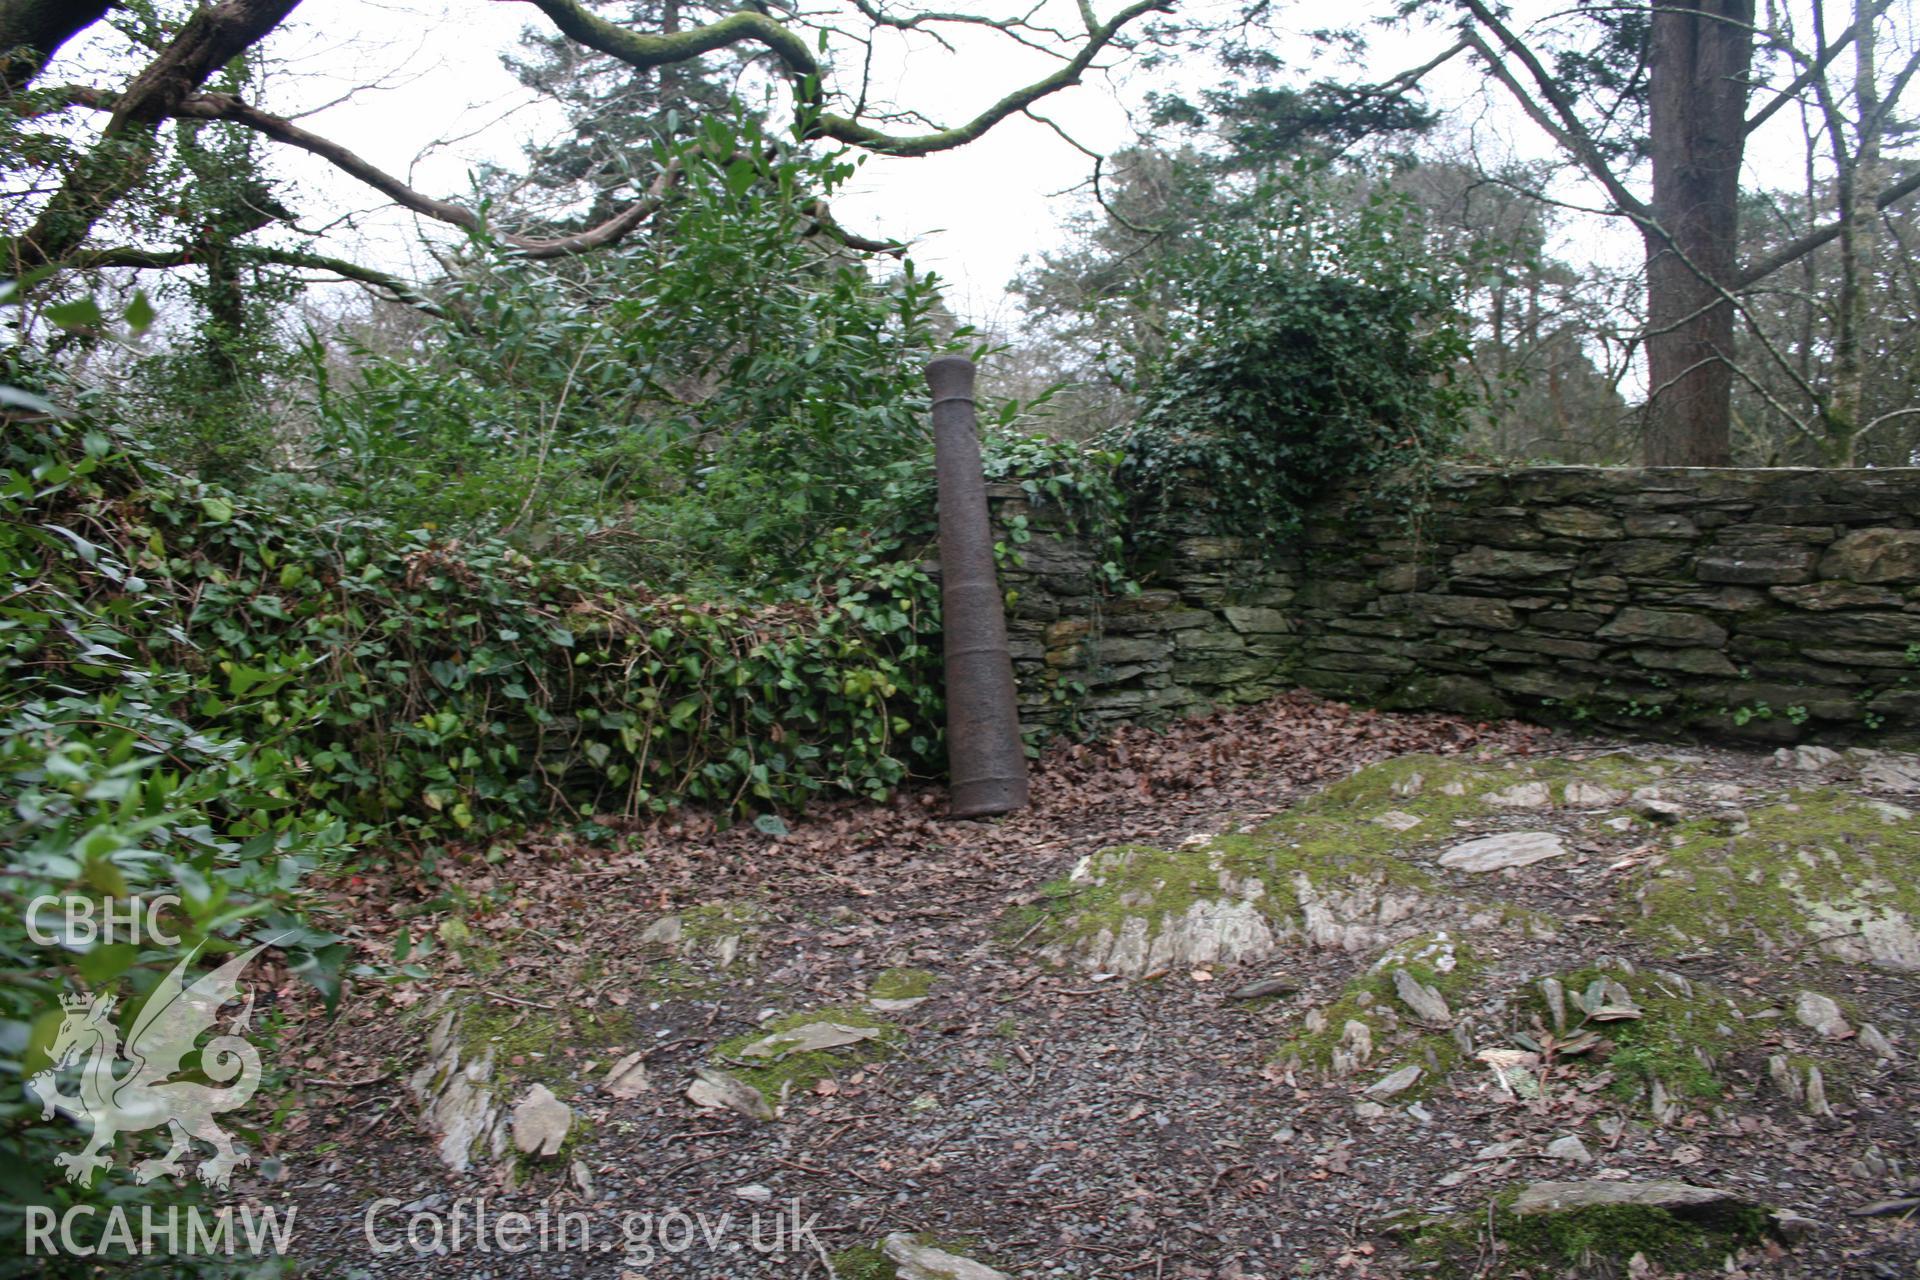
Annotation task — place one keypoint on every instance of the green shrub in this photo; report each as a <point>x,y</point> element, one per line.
<point>1309,349</point>
<point>210,699</point>
<point>116,786</point>
<point>697,407</point>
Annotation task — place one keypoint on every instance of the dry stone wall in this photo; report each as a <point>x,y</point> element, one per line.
<point>1778,605</point>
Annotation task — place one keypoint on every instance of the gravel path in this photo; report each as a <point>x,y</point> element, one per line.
<point>1054,1121</point>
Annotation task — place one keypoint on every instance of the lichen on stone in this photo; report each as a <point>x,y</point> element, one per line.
<point>1824,872</point>
<point>1373,1027</point>
<point>1344,869</point>
<point>790,1073</point>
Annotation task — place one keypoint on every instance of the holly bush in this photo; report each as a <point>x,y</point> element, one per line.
<point>1311,345</point>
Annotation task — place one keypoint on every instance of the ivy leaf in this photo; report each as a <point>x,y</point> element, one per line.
<point>80,315</point>
<point>103,964</point>
<point>323,969</point>
<point>139,313</point>
<point>15,398</point>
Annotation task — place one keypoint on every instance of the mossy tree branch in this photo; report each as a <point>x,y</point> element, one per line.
<point>643,51</point>
<point>124,153</point>
<point>170,87</point>
<point>393,287</point>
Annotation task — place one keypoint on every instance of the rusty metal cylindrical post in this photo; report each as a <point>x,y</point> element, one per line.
<point>985,759</point>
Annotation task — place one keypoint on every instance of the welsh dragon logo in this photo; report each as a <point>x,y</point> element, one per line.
<point>160,1037</point>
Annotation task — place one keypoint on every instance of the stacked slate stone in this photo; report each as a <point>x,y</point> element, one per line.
<point>1777,604</point>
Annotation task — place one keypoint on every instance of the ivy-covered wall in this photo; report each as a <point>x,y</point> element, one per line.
<point>1779,605</point>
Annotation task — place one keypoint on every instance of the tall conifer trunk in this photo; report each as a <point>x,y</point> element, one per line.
<point>1697,80</point>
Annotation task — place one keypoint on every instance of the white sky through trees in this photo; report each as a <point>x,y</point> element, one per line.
<point>418,88</point>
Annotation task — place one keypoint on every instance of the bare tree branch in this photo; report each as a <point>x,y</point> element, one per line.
<point>223,106</point>
<point>1558,116</point>
<point>1793,251</point>
<point>170,87</point>
<point>125,151</point>
<point>1814,73</point>
<point>645,51</point>
<point>32,31</point>
<point>1099,36</point>
<point>394,287</point>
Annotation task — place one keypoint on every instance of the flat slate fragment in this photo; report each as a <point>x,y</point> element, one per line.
<point>808,1038</point>
<point>712,1088</point>
<point>913,1260</point>
<point>541,1122</point>
<point>1565,1197</point>
<point>1509,849</point>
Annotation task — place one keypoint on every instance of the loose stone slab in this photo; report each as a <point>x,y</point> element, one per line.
<point>1509,849</point>
<point>807,1039</point>
<point>1819,1013</point>
<point>1893,773</point>
<point>628,1077</point>
<point>1522,795</point>
<point>1428,1004</point>
<point>1564,1197</point>
<point>1806,757</point>
<point>913,1260</point>
<point>1569,1148</point>
<point>712,1088</point>
<point>1397,1082</point>
<point>1592,795</point>
<point>1651,804</point>
<point>541,1122</point>
<point>455,1089</point>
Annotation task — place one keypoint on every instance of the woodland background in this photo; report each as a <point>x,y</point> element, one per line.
<point>626,507</point>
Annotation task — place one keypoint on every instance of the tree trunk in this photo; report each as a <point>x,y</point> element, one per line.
<point>1697,86</point>
<point>1859,184</point>
<point>32,31</point>
<point>127,147</point>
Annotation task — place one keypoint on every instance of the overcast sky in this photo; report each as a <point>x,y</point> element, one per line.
<point>418,88</point>
<point>441,102</point>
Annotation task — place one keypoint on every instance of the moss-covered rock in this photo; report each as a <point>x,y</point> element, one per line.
<point>863,1262</point>
<point>1825,872</point>
<point>1399,1013</point>
<point>1529,1234</point>
<point>1345,868</point>
<point>911,1257</point>
<point>893,990</point>
<point>529,1044</point>
<point>722,934</point>
<point>698,950</point>
<point>777,1074</point>
<point>1661,1036</point>
<point>479,1052</point>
